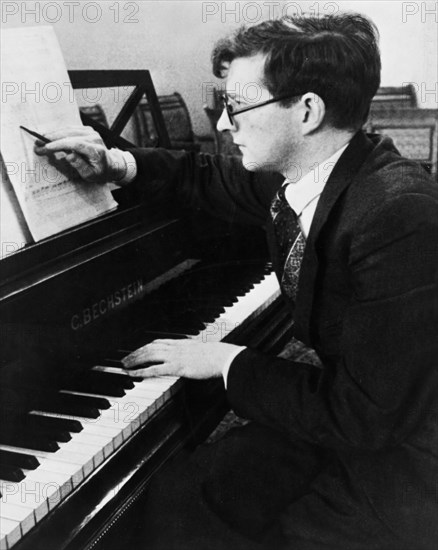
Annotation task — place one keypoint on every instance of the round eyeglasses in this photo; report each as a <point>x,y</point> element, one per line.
<point>232,112</point>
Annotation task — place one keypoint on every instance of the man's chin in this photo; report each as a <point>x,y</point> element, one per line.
<point>251,165</point>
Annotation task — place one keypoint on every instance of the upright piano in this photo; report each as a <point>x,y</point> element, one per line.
<point>79,439</point>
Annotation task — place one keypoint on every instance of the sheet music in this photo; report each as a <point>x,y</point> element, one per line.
<point>14,233</point>
<point>36,93</point>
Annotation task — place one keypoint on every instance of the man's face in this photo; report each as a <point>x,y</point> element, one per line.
<point>268,136</point>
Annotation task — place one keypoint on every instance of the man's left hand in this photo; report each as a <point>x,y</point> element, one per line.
<point>187,358</point>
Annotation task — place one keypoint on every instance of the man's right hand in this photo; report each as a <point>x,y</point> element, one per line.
<point>86,153</point>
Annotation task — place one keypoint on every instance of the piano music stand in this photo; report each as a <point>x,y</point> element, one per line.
<point>142,82</point>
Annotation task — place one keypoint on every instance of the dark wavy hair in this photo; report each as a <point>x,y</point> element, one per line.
<point>335,56</point>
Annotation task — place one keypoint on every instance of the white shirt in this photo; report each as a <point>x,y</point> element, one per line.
<point>131,168</point>
<point>303,197</point>
<point>304,194</point>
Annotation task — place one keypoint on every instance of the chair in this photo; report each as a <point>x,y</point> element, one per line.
<point>177,120</point>
<point>391,97</point>
<point>414,132</point>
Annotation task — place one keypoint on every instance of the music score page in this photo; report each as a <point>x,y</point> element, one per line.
<point>37,94</point>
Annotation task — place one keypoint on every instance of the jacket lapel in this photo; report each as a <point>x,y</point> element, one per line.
<point>340,178</point>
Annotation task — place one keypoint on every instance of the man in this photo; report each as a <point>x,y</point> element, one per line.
<point>338,457</point>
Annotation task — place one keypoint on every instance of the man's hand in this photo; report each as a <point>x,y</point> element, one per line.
<point>187,358</point>
<point>86,153</point>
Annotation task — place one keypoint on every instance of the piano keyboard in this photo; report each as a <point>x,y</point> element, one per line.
<point>35,477</point>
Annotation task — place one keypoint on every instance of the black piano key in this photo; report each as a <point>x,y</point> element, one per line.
<point>148,336</point>
<point>86,384</point>
<point>110,378</point>
<point>208,309</point>
<point>20,460</point>
<point>139,339</point>
<point>58,435</point>
<point>116,355</point>
<point>102,383</point>
<point>72,409</point>
<point>218,303</point>
<point>112,363</point>
<point>50,422</point>
<point>31,424</point>
<point>168,316</point>
<point>186,322</point>
<point>222,300</point>
<point>68,399</point>
<point>22,427</point>
<point>62,403</point>
<point>117,379</point>
<point>10,473</point>
<point>29,441</point>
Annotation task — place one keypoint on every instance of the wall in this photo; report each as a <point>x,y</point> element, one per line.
<point>173,39</point>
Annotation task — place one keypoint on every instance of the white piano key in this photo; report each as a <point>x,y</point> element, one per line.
<point>82,459</point>
<point>136,406</point>
<point>101,444</point>
<point>121,412</point>
<point>29,495</point>
<point>22,514</point>
<point>10,533</point>
<point>54,485</point>
<point>244,309</point>
<point>110,370</point>
<point>156,396</point>
<point>72,471</point>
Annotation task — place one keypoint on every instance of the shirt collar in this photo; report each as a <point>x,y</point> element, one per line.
<point>303,192</point>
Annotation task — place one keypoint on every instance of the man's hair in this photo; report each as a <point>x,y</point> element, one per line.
<point>334,56</point>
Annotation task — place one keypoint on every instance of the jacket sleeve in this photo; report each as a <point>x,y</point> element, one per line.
<point>217,184</point>
<point>383,384</point>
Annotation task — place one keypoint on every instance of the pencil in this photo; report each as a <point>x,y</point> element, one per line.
<point>35,134</point>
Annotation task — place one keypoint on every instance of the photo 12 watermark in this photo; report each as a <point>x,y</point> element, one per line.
<point>254,12</point>
<point>424,11</point>
<point>424,91</point>
<point>54,92</point>
<point>54,12</point>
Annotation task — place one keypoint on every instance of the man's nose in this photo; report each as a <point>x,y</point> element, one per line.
<point>224,122</point>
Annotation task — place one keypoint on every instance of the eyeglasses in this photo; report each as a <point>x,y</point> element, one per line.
<point>232,112</point>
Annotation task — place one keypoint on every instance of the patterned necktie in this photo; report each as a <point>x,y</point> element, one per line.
<point>290,240</point>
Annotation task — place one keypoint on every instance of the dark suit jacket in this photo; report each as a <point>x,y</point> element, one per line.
<point>368,304</point>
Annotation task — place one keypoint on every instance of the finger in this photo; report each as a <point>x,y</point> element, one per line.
<point>80,164</point>
<point>149,354</point>
<point>39,144</point>
<point>39,148</point>
<point>154,371</point>
<point>70,131</point>
<point>74,159</point>
<point>68,145</point>
<point>168,341</point>
<point>85,171</point>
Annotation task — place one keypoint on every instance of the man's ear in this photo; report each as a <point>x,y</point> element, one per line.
<point>313,112</point>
